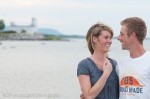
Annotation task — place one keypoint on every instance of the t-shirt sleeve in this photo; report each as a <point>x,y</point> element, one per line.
<point>149,72</point>
<point>82,69</point>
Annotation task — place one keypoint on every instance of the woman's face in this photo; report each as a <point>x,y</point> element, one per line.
<point>103,41</point>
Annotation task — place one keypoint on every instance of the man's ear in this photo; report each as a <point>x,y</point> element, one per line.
<point>133,35</point>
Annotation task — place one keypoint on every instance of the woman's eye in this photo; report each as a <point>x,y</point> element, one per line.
<point>106,37</point>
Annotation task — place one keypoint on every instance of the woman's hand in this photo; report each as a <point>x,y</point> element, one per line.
<point>107,68</point>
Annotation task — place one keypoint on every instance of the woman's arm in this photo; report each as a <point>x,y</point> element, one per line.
<point>90,92</point>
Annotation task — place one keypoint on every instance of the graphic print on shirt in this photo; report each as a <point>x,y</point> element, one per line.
<point>130,85</point>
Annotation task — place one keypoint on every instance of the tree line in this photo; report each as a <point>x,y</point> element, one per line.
<point>2,25</point>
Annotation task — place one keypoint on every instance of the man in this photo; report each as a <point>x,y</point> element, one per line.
<point>134,71</point>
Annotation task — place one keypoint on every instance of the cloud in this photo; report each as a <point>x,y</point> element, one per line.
<point>71,4</point>
<point>35,3</point>
<point>64,14</point>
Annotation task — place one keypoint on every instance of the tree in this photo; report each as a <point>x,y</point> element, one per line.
<point>2,25</point>
<point>23,31</point>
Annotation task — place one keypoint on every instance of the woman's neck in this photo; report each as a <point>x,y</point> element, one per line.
<point>99,59</point>
<point>99,56</point>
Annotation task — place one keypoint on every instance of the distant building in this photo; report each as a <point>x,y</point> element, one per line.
<point>29,29</point>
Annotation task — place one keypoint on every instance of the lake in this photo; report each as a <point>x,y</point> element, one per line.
<point>45,69</point>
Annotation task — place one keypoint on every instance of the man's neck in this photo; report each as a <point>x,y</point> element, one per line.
<point>137,51</point>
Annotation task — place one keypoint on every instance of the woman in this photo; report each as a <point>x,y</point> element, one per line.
<point>97,74</point>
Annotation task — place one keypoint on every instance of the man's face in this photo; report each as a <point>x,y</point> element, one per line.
<point>124,38</point>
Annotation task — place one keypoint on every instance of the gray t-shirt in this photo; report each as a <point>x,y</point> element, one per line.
<point>111,88</point>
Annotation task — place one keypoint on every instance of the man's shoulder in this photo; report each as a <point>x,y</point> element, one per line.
<point>148,53</point>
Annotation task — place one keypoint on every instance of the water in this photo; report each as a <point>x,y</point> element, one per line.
<point>45,69</point>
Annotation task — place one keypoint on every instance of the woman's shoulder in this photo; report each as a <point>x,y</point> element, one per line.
<point>84,67</point>
<point>113,61</point>
<point>84,61</point>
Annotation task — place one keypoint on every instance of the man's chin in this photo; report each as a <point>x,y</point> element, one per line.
<point>124,48</point>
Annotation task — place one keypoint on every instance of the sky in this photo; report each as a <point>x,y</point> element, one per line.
<point>73,17</point>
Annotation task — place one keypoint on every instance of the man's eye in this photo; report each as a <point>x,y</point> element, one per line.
<point>121,34</point>
<point>107,37</point>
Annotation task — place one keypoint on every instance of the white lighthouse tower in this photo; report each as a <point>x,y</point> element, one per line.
<point>34,22</point>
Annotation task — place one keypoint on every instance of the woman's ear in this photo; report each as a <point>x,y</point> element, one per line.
<point>94,38</point>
